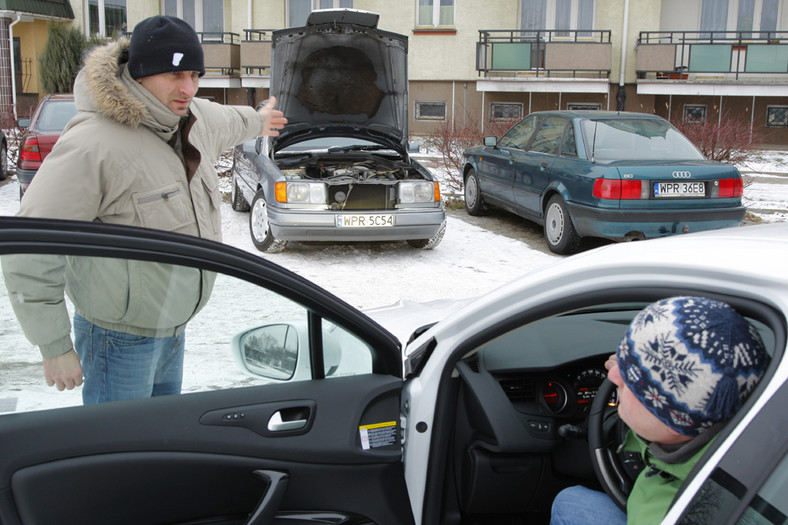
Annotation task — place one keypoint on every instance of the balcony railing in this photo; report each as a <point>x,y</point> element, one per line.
<point>256,52</point>
<point>222,53</point>
<point>546,52</point>
<point>677,54</point>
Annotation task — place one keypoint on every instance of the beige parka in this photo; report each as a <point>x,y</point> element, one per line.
<point>117,162</point>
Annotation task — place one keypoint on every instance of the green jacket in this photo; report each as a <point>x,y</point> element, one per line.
<point>658,483</point>
<point>125,158</point>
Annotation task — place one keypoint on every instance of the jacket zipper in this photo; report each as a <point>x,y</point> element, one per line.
<point>164,196</point>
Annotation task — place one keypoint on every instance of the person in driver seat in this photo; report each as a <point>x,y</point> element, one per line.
<point>683,369</point>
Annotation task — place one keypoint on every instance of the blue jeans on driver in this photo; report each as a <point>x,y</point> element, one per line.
<point>119,366</point>
<point>582,506</point>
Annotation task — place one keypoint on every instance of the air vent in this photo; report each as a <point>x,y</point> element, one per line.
<point>520,390</point>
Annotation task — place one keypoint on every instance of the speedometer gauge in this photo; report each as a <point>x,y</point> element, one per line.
<point>586,385</point>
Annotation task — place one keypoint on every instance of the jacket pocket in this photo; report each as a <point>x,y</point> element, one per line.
<point>164,208</point>
<point>214,215</point>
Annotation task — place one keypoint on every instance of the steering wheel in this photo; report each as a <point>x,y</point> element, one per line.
<point>606,432</point>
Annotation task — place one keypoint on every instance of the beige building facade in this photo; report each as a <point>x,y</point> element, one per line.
<point>490,63</point>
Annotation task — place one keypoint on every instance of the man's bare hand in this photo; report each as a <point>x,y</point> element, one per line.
<point>63,371</point>
<point>274,120</point>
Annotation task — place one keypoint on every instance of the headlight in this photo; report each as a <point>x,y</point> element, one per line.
<point>301,192</point>
<point>413,192</point>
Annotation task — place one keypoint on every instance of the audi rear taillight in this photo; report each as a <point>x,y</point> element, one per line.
<point>730,188</point>
<point>620,189</point>
<point>29,150</point>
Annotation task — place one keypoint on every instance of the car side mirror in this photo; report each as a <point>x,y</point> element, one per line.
<point>268,351</point>
<point>260,146</point>
<point>23,122</point>
<point>490,141</point>
<point>280,352</point>
<point>413,147</point>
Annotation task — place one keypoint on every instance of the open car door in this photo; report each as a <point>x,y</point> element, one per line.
<point>306,430</point>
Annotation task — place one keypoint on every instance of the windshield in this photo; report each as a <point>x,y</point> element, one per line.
<point>55,115</point>
<point>637,139</point>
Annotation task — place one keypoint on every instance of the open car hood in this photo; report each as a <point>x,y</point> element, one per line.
<point>341,76</point>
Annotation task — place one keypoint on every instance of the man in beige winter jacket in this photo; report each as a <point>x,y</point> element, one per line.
<point>139,152</point>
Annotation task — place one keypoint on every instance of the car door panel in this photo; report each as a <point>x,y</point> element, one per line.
<point>495,176</point>
<point>207,456</point>
<point>164,461</point>
<point>533,168</point>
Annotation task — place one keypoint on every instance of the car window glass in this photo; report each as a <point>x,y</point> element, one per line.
<point>769,506</point>
<point>569,144</point>
<point>518,136</point>
<point>55,115</point>
<point>637,139</point>
<point>721,494</point>
<point>217,355</point>
<point>549,136</point>
<point>594,330</point>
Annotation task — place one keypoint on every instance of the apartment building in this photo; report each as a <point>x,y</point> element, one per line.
<point>493,61</point>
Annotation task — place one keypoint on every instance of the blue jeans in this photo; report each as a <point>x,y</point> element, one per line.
<point>582,506</point>
<point>118,366</point>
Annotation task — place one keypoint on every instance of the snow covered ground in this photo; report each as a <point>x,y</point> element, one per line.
<point>469,262</point>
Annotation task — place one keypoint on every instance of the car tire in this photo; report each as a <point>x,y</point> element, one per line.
<point>432,242</point>
<point>559,232</point>
<point>3,161</point>
<point>474,204</point>
<point>236,197</point>
<point>259,227</point>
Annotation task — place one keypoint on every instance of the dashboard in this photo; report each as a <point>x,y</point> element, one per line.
<point>564,393</point>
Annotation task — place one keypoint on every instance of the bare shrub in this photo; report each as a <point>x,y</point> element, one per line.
<point>726,139</point>
<point>451,138</point>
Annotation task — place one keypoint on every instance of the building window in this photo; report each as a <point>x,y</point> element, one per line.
<point>563,15</point>
<point>335,4</point>
<point>777,116</point>
<point>503,111</point>
<point>298,10</point>
<point>695,113</point>
<point>739,15</point>
<point>107,18</point>
<point>435,13</point>
<point>583,106</point>
<point>204,16</point>
<point>430,110</point>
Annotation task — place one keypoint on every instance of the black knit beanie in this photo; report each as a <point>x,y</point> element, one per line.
<point>161,44</point>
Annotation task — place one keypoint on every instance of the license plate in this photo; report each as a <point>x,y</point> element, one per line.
<point>364,221</point>
<point>680,189</point>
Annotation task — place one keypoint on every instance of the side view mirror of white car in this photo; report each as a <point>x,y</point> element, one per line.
<point>281,352</point>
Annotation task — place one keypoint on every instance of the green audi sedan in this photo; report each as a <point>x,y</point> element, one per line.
<point>614,175</point>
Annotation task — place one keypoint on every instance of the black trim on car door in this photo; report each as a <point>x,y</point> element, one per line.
<point>212,456</point>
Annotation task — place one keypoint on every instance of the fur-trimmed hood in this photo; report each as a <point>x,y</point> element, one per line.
<point>99,86</point>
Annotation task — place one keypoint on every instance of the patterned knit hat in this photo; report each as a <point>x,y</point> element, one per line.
<point>691,361</point>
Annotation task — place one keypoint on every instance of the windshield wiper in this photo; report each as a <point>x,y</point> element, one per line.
<point>357,147</point>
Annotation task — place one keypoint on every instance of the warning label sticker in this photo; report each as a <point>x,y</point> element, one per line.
<point>378,435</point>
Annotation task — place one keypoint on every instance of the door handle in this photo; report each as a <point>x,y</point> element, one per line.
<point>294,421</point>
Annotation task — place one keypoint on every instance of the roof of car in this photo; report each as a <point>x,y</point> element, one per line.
<point>597,115</point>
<point>749,260</point>
<point>60,96</point>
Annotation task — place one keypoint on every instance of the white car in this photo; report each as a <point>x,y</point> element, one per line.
<point>481,418</point>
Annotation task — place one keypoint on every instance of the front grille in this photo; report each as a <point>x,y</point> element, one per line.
<point>362,197</point>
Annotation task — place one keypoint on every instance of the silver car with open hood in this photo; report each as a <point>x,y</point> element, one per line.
<point>341,169</point>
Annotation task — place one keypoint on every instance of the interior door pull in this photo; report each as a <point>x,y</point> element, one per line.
<point>266,510</point>
<point>278,424</point>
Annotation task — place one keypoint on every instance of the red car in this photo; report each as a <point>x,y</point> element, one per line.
<point>43,130</point>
